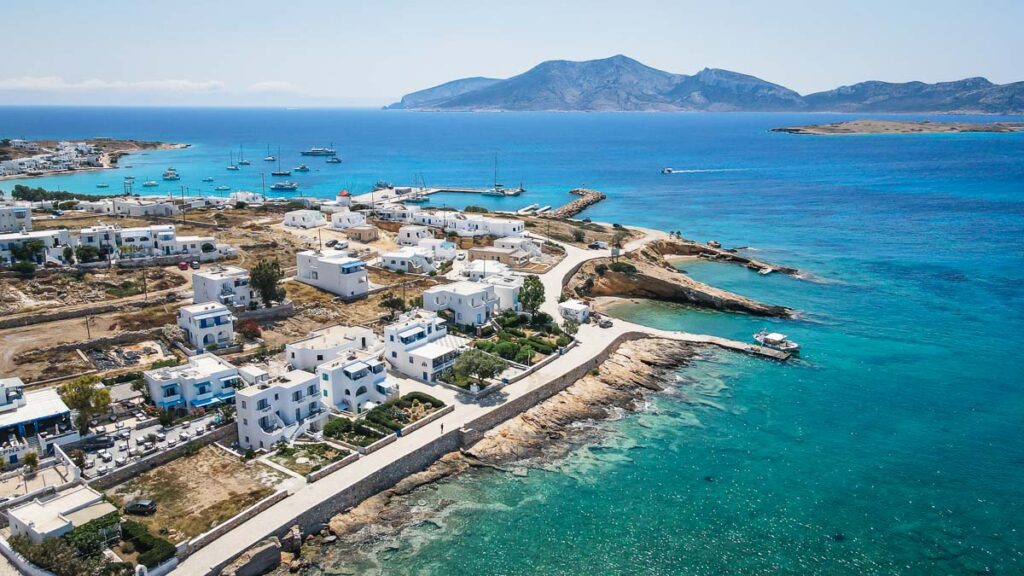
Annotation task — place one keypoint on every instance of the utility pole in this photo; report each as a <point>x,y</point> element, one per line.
<point>88,332</point>
<point>145,288</point>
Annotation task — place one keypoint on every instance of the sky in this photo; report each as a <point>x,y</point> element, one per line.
<point>371,52</point>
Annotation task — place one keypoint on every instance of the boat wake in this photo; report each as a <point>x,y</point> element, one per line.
<point>706,170</point>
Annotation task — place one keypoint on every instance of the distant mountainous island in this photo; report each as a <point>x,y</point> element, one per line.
<point>622,84</point>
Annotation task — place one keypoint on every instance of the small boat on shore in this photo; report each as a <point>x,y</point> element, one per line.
<point>766,271</point>
<point>285,185</point>
<point>150,184</point>
<point>776,341</point>
<point>382,185</point>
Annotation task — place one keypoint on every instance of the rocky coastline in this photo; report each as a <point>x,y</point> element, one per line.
<point>647,273</point>
<point>540,435</point>
<point>899,127</point>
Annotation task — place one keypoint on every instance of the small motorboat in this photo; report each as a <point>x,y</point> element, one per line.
<point>667,170</point>
<point>103,185</point>
<point>776,341</point>
<point>284,185</point>
<point>208,179</point>
<point>222,188</point>
<point>301,168</point>
<point>150,184</point>
<point>171,174</point>
<point>766,271</point>
<point>334,160</point>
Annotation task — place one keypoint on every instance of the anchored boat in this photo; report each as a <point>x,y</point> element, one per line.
<point>776,341</point>
<point>319,151</point>
<point>284,185</point>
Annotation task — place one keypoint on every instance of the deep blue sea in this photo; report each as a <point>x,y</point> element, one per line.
<point>895,446</point>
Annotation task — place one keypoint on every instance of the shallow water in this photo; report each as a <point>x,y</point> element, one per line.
<point>893,446</point>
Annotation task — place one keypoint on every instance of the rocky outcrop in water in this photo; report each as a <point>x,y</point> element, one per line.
<point>645,273</point>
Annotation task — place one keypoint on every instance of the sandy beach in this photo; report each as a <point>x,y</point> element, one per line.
<point>111,152</point>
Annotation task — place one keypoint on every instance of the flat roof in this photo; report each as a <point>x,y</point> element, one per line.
<point>39,404</point>
<point>211,307</point>
<point>331,336</point>
<point>46,516</point>
<point>222,272</point>
<point>89,513</point>
<point>432,350</point>
<point>464,288</point>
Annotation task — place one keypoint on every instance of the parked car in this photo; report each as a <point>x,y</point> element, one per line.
<point>126,433</point>
<point>195,264</point>
<point>330,243</point>
<point>106,456</point>
<point>160,436</point>
<point>605,323</point>
<point>182,265</point>
<point>97,442</point>
<point>121,461</point>
<point>461,256</point>
<point>140,507</point>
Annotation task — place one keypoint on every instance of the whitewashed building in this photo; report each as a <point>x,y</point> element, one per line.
<point>277,408</point>
<point>53,241</point>
<point>442,250</point>
<point>471,303</point>
<point>343,201</point>
<point>480,269</point>
<point>521,243</point>
<point>32,421</point>
<point>304,219</point>
<point>418,345</point>
<point>144,207</point>
<point>15,218</point>
<point>205,380</point>
<point>227,285</point>
<point>246,197</point>
<point>412,260</point>
<point>337,273</point>
<point>344,218</point>
<point>506,290</point>
<point>396,213</point>
<point>207,325</point>
<point>40,520</point>
<point>328,344</point>
<point>574,310</point>
<point>411,234</point>
<point>356,382</point>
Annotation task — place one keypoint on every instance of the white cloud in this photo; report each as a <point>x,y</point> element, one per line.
<point>58,84</point>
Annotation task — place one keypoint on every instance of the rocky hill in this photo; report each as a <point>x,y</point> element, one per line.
<point>620,83</point>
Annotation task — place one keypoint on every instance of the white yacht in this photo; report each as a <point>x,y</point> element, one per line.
<point>776,341</point>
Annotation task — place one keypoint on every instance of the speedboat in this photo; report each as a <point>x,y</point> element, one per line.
<point>150,184</point>
<point>222,188</point>
<point>171,174</point>
<point>104,185</point>
<point>334,160</point>
<point>301,168</point>
<point>129,178</point>
<point>319,151</point>
<point>208,179</point>
<point>776,341</point>
<point>281,173</point>
<point>765,271</point>
<point>284,185</point>
<point>667,170</point>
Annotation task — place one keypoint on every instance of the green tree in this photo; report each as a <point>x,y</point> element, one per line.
<point>392,302</point>
<point>478,364</point>
<point>85,253</point>
<point>525,355</point>
<point>31,461</point>
<point>29,251</point>
<point>578,235</point>
<point>570,327</point>
<point>531,296</point>
<point>264,278</point>
<point>69,254</point>
<point>84,396</point>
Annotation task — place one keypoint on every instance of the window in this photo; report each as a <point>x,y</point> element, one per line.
<point>262,404</point>
<point>243,404</point>
<point>319,357</point>
<point>311,390</point>
<point>312,407</point>
<point>324,376</point>
<point>361,391</point>
<point>245,422</point>
<point>325,393</point>
<point>297,395</point>
<point>394,354</point>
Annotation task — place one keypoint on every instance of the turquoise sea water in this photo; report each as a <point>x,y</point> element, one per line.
<point>894,446</point>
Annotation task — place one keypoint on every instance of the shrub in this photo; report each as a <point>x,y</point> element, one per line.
<point>578,235</point>
<point>477,209</point>
<point>154,550</point>
<point>562,341</point>
<point>601,269</point>
<point>524,355</point>
<point>249,329</point>
<point>622,268</point>
<point>506,349</point>
<point>25,268</point>
<point>164,363</point>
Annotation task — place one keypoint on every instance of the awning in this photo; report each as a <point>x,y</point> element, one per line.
<point>206,402</point>
<point>410,332</point>
<point>171,403</point>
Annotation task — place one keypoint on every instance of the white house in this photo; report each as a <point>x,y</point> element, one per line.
<point>15,218</point>
<point>54,242</point>
<point>246,197</point>
<point>396,213</point>
<point>442,249</point>
<point>205,380</point>
<point>418,345</point>
<point>277,408</point>
<point>344,218</point>
<point>328,344</point>
<point>506,290</point>
<point>304,218</point>
<point>409,259</point>
<point>40,416</point>
<point>147,241</point>
<point>343,201</point>
<point>520,243</point>
<point>144,207</point>
<point>207,325</point>
<point>40,520</point>
<point>103,206</point>
<point>228,285</point>
<point>478,225</point>
<point>337,273</point>
<point>355,382</point>
<point>471,303</point>
<point>574,310</point>
<point>433,218</point>
<point>480,269</point>
<point>410,235</point>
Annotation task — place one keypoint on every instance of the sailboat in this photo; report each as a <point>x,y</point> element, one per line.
<point>280,171</point>
<point>498,190</point>
<point>232,165</point>
<point>269,157</point>
<point>241,160</point>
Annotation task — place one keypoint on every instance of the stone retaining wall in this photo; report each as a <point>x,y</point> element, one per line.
<point>318,474</point>
<point>207,537</point>
<point>424,421</point>
<point>103,341</point>
<point>160,458</point>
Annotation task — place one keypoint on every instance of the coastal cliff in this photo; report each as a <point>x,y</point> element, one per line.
<point>646,273</point>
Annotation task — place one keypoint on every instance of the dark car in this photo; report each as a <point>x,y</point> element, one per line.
<point>330,243</point>
<point>195,264</point>
<point>97,442</point>
<point>141,507</point>
<point>605,323</point>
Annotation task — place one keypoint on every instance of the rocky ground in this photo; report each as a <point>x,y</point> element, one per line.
<point>539,435</point>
